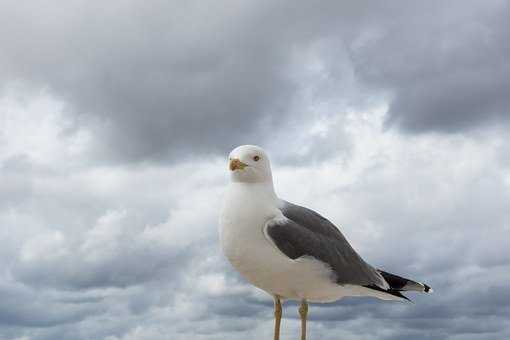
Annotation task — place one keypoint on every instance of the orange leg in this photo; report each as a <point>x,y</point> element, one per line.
<point>277,317</point>
<point>303,313</point>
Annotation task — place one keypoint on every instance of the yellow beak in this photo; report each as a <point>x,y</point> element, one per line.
<point>236,164</point>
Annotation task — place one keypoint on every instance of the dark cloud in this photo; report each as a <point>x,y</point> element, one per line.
<point>22,306</point>
<point>164,80</point>
<point>159,79</point>
<point>444,67</point>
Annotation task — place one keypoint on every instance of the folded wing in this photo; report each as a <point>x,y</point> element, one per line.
<point>303,232</point>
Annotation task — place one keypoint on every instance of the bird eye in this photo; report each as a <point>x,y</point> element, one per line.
<point>256,158</point>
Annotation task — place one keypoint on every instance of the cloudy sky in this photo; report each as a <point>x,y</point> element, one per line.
<point>390,118</point>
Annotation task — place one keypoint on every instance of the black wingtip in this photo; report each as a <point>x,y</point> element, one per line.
<point>426,288</point>
<point>400,295</point>
<point>399,283</point>
<point>390,292</point>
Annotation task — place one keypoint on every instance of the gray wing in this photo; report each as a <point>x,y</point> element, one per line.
<point>306,233</point>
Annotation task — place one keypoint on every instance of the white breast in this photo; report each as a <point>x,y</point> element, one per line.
<point>243,218</point>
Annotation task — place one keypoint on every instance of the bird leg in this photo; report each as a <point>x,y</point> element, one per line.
<point>277,317</point>
<point>303,312</point>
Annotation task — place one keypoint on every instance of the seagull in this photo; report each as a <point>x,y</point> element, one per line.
<point>289,251</point>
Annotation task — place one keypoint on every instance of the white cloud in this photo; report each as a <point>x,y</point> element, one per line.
<point>33,124</point>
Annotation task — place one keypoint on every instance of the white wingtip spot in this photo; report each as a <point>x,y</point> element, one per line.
<point>426,288</point>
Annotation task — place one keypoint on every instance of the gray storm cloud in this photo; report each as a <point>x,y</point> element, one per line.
<point>158,81</point>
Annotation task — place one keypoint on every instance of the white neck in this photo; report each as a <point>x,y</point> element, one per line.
<point>261,190</point>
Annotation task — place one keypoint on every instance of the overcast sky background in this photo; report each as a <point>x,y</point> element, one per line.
<point>390,118</point>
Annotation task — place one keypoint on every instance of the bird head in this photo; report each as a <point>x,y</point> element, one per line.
<point>249,163</point>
